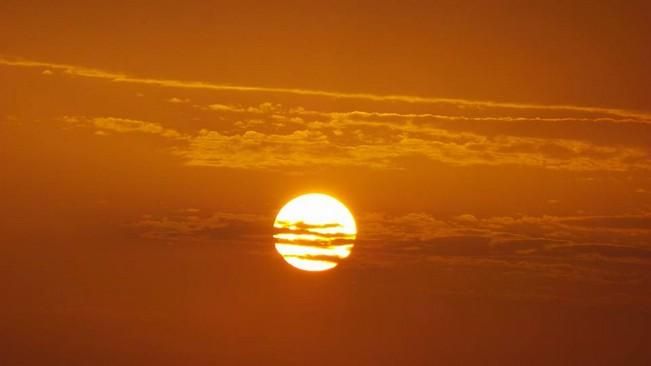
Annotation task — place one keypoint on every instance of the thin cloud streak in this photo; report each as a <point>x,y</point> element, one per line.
<point>275,108</point>
<point>171,83</point>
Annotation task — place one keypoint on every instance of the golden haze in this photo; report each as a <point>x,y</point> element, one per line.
<point>496,156</point>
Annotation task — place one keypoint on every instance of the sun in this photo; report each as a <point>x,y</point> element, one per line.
<point>313,232</point>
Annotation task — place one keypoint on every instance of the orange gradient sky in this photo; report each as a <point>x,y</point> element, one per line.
<point>496,156</point>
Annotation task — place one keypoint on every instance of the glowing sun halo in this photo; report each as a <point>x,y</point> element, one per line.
<point>313,232</point>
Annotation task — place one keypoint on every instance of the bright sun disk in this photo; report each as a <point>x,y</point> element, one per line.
<point>314,231</point>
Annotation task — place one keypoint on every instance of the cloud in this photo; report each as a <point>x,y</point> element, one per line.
<point>375,141</point>
<point>595,117</point>
<point>378,145</point>
<point>273,136</point>
<point>262,108</point>
<point>281,142</point>
<point>185,225</point>
<point>524,235</point>
<point>123,125</point>
<point>612,222</point>
<point>253,149</point>
<point>504,246</point>
<point>179,84</point>
<point>419,235</point>
<point>176,100</point>
<point>513,248</point>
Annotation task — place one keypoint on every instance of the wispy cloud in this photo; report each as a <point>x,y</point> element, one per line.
<point>629,230</point>
<point>272,136</point>
<point>342,141</point>
<point>267,107</point>
<point>189,224</point>
<point>81,71</point>
<point>553,247</point>
<point>296,144</point>
<point>419,234</point>
<point>559,247</point>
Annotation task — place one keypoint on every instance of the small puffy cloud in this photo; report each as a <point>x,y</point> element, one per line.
<point>253,149</point>
<point>105,125</point>
<point>262,108</point>
<point>466,218</point>
<point>271,137</point>
<point>176,100</point>
<point>374,145</point>
<point>381,140</point>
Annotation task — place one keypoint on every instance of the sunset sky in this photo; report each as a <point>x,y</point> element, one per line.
<point>496,156</point>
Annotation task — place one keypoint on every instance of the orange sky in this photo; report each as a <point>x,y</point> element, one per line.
<point>496,156</point>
